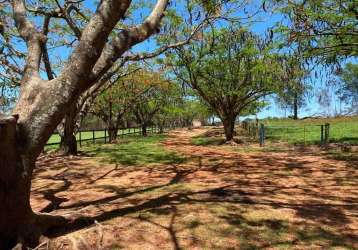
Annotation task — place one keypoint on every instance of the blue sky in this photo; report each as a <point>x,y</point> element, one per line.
<point>264,21</point>
<point>322,82</point>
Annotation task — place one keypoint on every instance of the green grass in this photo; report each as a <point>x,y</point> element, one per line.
<point>343,130</point>
<point>135,150</point>
<point>55,138</point>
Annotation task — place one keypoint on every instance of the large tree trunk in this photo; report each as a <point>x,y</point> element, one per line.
<point>229,128</point>
<point>17,221</point>
<point>68,138</point>
<point>42,105</point>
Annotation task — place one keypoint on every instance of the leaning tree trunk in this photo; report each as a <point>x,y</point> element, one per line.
<point>43,104</point>
<point>229,128</point>
<point>17,221</point>
<point>68,138</point>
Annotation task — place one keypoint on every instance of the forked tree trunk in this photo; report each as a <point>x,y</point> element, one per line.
<point>42,104</point>
<point>229,128</point>
<point>17,221</point>
<point>68,138</point>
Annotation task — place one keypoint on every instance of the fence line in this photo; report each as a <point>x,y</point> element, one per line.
<point>282,133</point>
<point>93,138</point>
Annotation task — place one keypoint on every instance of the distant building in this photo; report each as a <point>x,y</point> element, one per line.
<point>196,124</point>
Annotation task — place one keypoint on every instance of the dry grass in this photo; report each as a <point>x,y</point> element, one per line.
<point>213,198</point>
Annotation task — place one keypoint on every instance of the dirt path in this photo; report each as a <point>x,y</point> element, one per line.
<point>214,199</point>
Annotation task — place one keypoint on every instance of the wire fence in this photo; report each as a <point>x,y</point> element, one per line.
<point>99,134</point>
<point>305,134</point>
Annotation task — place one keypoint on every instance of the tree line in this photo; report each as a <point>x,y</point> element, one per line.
<point>62,60</point>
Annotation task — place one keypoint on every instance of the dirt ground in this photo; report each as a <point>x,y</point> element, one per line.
<point>215,198</point>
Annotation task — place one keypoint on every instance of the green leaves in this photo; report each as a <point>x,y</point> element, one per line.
<point>229,68</point>
<point>348,90</point>
<point>324,29</point>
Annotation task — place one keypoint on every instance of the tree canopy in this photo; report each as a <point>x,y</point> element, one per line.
<point>230,69</point>
<point>348,87</point>
<point>324,29</point>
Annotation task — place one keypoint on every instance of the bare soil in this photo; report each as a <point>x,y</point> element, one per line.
<point>216,199</point>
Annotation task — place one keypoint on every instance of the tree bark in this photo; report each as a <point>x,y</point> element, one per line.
<point>17,221</point>
<point>43,104</point>
<point>69,144</point>
<point>229,127</point>
<point>68,138</point>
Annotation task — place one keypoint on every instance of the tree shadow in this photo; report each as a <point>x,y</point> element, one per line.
<point>252,181</point>
<point>159,206</point>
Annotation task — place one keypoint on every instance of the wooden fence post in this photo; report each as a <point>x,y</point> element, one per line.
<point>105,135</point>
<point>80,138</point>
<point>93,137</point>
<point>322,134</point>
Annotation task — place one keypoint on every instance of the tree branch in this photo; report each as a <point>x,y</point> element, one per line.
<point>92,42</point>
<point>31,36</point>
<point>45,56</point>
<point>128,38</point>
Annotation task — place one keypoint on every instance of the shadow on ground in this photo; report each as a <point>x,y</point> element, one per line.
<point>182,196</point>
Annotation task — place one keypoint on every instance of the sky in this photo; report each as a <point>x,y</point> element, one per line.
<point>264,21</point>
<point>320,83</point>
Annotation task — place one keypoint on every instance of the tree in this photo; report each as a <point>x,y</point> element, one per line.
<point>76,113</point>
<point>42,104</point>
<point>115,101</point>
<point>325,29</point>
<point>230,69</point>
<point>348,90</point>
<point>294,87</point>
<point>180,110</point>
<point>94,42</point>
<point>192,109</point>
<point>8,94</point>
<point>68,19</point>
<point>156,94</point>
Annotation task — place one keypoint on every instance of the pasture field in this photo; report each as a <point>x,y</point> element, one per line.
<point>308,131</point>
<point>55,138</point>
<point>168,192</point>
